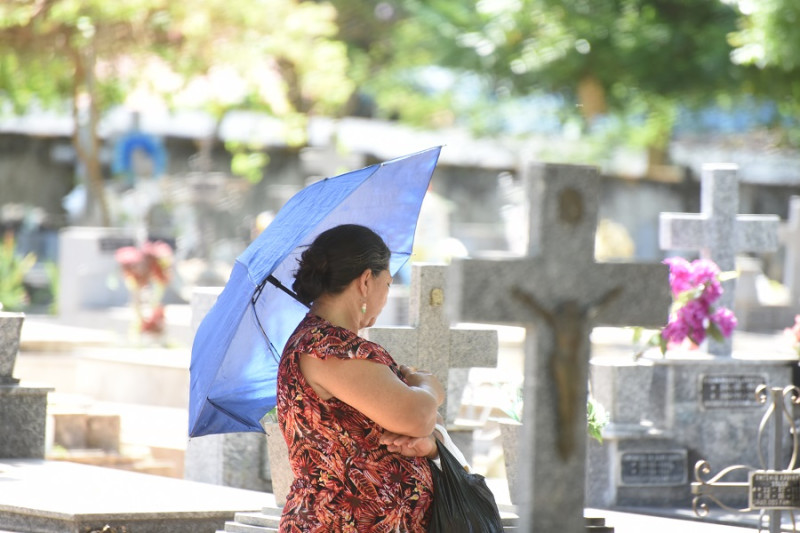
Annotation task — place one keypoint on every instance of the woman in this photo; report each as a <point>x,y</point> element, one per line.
<point>358,426</point>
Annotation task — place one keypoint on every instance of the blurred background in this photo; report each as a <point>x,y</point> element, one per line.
<point>192,122</point>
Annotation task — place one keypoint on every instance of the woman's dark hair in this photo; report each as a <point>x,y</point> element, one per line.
<point>335,258</point>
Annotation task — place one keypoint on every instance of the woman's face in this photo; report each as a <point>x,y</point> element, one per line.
<point>376,296</point>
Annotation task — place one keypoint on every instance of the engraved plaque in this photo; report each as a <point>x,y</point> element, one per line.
<point>654,468</point>
<point>730,390</point>
<point>774,490</point>
<point>112,244</point>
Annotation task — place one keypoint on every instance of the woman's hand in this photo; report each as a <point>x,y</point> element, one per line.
<point>410,446</point>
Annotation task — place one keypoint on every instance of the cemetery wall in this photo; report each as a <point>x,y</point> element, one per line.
<point>37,171</point>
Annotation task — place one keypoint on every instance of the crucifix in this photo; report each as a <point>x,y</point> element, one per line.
<point>430,343</point>
<point>718,233</point>
<point>558,293</point>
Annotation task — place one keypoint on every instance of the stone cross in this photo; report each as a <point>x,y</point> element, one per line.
<point>790,237</point>
<point>558,292</point>
<point>430,343</point>
<point>718,233</point>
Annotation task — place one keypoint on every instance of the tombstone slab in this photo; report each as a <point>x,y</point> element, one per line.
<point>52,496</point>
<point>688,403</point>
<point>90,277</point>
<point>558,293</point>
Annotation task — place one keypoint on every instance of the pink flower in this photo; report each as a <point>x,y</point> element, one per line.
<point>694,313</point>
<point>128,255</point>
<point>676,330</point>
<point>711,292</point>
<point>725,321</point>
<point>704,271</point>
<point>680,274</point>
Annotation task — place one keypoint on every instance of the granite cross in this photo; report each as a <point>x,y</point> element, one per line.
<point>430,342</point>
<point>790,237</point>
<point>718,233</point>
<point>558,293</point>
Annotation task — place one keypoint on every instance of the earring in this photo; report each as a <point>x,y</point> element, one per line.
<point>363,308</point>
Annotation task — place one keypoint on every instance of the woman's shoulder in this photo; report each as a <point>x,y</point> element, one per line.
<point>321,339</point>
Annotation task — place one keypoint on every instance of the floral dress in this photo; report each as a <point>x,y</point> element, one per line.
<point>345,480</point>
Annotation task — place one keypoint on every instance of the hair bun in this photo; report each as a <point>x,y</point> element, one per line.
<point>311,274</point>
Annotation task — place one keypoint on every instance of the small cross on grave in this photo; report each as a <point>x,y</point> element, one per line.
<point>558,293</point>
<point>790,237</point>
<point>430,343</point>
<point>771,490</point>
<point>718,233</point>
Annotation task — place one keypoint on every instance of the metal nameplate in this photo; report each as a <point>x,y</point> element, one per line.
<point>112,244</point>
<point>774,489</point>
<point>663,468</point>
<point>730,390</point>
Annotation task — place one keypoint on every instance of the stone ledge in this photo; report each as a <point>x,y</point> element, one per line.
<point>52,496</point>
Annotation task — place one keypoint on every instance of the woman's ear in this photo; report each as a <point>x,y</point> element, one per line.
<point>362,281</point>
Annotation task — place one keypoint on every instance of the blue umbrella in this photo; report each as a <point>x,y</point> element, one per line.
<point>233,373</point>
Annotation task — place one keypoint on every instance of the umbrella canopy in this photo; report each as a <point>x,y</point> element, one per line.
<point>237,347</point>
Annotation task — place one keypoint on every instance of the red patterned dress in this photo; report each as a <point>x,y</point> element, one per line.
<point>345,481</point>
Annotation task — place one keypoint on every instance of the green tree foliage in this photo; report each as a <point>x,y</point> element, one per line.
<point>638,61</point>
<point>275,55</point>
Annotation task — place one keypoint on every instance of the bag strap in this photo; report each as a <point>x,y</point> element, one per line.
<point>451,447</point>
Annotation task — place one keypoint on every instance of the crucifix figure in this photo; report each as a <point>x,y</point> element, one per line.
<point>558,293</point>
<point>718,233</point>
<point>431,343</point>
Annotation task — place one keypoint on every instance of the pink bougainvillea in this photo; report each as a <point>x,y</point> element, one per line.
<point>147,271</point>
<point>696,287</point>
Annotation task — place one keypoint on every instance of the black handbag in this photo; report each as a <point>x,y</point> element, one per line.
<point>462,502</point>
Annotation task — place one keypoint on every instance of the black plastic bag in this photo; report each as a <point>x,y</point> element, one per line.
<point>462,502</point>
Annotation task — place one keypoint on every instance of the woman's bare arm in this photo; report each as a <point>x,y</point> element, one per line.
<point>377,392</point>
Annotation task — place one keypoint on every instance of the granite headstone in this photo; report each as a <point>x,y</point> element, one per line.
<point>558,293</point>
<point>718,233</point>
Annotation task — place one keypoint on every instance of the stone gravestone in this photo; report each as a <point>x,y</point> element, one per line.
<point>431,344</point>
<point>90,276</point>
<point>718,233</point>
<point>23,409</point>
<point>557,293</point>
<point>790,237</point>
<point>667,412</point>
<point>231,459</point>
